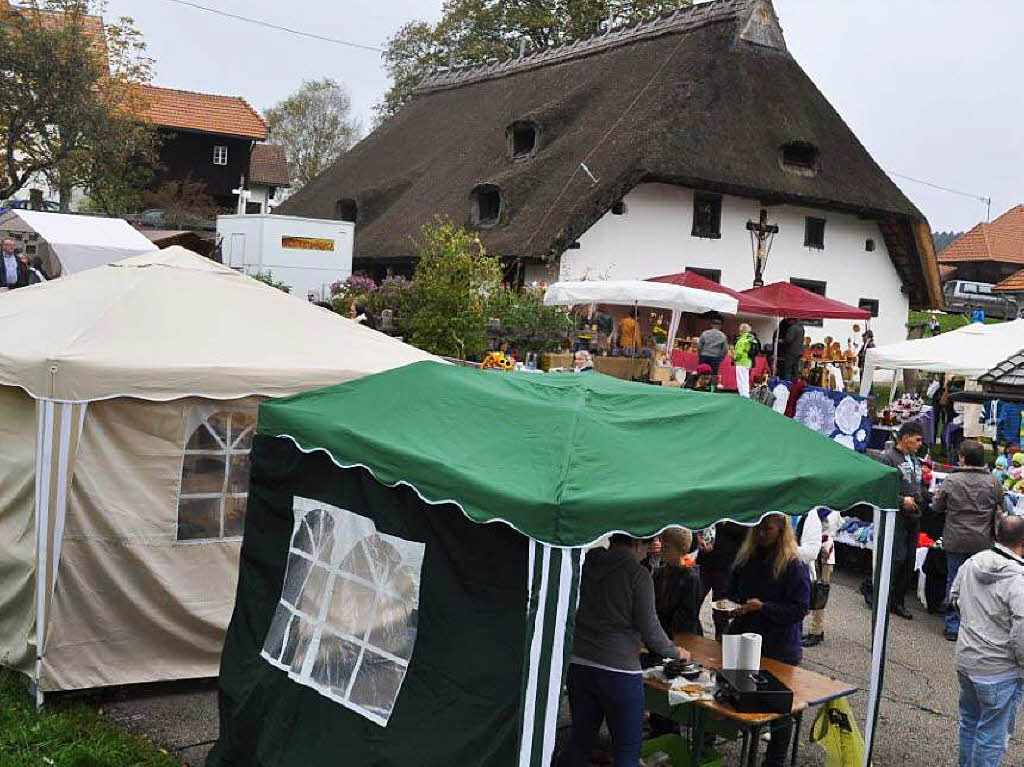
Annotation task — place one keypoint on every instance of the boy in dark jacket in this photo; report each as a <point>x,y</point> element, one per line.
<point>677,587</point>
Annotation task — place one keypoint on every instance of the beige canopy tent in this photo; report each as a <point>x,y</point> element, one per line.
<point>128,398</point>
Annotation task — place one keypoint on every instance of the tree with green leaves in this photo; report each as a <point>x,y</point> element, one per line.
<point>72,105</point>
<point>449,296</point>
<point>480,31</point>
<point>315,125</point>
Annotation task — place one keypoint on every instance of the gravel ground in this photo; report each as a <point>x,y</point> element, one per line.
<point>917,728</point>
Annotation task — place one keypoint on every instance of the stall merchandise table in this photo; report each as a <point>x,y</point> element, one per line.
<point>1013,503</point>
<point>549,360</point>
<point>809,689</point>
<point>881,434</point>
<point>727,370</point>
<point>626,368</point>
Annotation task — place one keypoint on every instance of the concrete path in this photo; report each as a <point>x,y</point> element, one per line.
<point>918,726</point>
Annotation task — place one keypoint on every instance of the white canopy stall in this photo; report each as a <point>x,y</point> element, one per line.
<point>76,242</point>
<point>659,295</point>
<point>968,351</point>
<point>126,421</point>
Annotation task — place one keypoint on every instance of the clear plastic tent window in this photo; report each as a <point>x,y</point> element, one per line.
<point>215,473</point>
<point>346,622</point>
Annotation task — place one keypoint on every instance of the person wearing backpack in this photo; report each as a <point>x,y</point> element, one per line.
<point>744,354</point>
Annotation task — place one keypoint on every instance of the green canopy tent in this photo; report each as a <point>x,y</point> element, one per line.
<point>381,615</point>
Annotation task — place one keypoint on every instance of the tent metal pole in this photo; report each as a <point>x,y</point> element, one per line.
<point>775,354</point>
<point>895,378</point>
<point>885,529</point>
<point>44,460</point>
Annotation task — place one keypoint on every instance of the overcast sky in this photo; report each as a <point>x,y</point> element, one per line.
<point>931,87</point>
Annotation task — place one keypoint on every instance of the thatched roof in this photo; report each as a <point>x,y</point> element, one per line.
<point>703,97</point>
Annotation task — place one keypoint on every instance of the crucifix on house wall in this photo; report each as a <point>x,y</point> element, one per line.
<point>761,236</point>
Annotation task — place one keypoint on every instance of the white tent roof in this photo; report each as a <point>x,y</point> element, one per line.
<point>967,351</point>
<point>172,324</point>
<point>661,295</point>
<point>84,242</point>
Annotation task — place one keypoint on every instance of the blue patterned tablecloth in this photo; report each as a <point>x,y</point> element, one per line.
<point>841,416</point>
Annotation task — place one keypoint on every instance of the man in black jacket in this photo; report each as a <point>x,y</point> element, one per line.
<point>903,456</point>
<point>791,350</point>
<point>14,273</point>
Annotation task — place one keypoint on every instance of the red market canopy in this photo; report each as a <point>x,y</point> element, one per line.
<point>747,304</point>
<point>784,299</point>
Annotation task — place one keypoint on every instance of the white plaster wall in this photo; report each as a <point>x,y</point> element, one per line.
<point>259,193</point>
<point>653,238</point>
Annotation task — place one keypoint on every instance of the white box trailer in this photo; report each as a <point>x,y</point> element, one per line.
<point>306,253</point>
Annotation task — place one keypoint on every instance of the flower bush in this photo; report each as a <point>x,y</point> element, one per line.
<point>355,286</point>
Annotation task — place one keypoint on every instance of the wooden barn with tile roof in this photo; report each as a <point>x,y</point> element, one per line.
<point>991,252</point>
<point>206,137</point>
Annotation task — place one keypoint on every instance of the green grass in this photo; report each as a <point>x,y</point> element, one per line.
<point>946,321</point>
<point>72,735</point>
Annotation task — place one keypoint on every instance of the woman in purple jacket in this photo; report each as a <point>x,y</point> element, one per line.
<point>773,588</point>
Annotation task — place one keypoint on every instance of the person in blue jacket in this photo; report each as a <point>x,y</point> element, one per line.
<point>773,588</point>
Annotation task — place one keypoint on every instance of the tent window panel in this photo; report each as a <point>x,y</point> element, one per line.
<point>215,473</point>
<point>335,663</point>
<point>377,683</point>
<point>201,473</point>
<point>198,518</point>
<point>361,587</point>
<point>238,475</point>
<point>234,515</point>
<point>203,439</point>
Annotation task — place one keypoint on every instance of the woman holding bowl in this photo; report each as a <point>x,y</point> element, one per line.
<point>773,589</point>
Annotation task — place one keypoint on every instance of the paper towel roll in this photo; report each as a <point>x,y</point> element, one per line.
<point>742,652</point>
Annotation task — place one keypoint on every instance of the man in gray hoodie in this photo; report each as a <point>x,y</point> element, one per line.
<point>989,592</point>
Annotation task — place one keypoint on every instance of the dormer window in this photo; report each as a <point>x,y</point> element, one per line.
<point>799,157</point>
<point>522,139</point>
<point>346,210</point>
<point>486,205</point>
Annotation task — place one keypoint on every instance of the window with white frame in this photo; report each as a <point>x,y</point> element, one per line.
<point>215,473</point>
<point>346,622</point>
<point>220,155</point>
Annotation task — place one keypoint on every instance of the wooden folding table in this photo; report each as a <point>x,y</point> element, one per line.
<point>809,689</point>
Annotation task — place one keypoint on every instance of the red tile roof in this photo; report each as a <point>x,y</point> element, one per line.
<point>1001,240</point>
<point>269,165</point>
<point>1014,283</point>
<point>91,26</point>
<point>203,112</point>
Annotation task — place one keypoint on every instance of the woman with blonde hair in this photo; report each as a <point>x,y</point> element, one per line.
<point>743,354</point>
<point>773,588</point>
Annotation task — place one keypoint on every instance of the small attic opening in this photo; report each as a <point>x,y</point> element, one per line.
<point>486,205</point>
<point>799,157</point>
<point>346,210</point>
<point>522,139</point>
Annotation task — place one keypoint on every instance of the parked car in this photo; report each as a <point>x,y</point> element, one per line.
<point>47,206</point>
<point>963,295</point>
